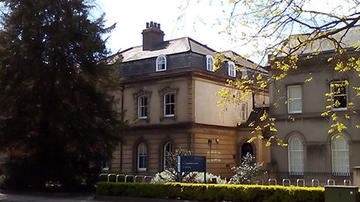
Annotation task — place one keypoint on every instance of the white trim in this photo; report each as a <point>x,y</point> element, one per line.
<point>210,63</point>
<point>161,60</point>
<point>141,152</point>
<point>333,108</point>
<point>170,103</point>
<point>164,153</point>
<point>294,142</point>
<point>231,69</point>
<point>289,102</point>
<point>140,106</point>
<point>340,162</point>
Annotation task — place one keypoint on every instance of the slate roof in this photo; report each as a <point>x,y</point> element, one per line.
<point>348,39</point>
<point>170,47</point>
<point>175,46</point>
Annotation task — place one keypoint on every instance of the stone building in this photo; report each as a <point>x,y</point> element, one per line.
<point>313,152</point>
<point>168,96</point>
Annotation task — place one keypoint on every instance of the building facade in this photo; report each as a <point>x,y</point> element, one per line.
<point>298,103</point>
<point>168,96</point>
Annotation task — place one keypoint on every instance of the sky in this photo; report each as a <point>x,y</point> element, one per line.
<point>198,20</point>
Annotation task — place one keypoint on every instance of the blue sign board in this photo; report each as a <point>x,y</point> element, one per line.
<point>191,164</point>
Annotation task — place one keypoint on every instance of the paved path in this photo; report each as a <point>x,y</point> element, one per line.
<point>48,197</point>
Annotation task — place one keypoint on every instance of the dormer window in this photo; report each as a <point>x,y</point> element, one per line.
<point>244,74</point>
<point>161,63</point>
<point>209,63</point>
<point>231,69</point>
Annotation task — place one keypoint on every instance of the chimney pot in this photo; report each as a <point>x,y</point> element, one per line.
<point>152,35</point>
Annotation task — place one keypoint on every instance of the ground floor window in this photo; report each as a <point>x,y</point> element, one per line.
<point>142,157</point>
<point>340,156</point>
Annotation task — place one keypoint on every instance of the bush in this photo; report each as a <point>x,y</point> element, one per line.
<point>248,172</point>
<point>193,177</point>
<point>212,192</point>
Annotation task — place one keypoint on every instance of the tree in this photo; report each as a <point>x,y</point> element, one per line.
<point>287,32</point>
<point>56,123</point>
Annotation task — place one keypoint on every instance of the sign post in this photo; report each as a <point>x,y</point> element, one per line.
<point>191,164</point>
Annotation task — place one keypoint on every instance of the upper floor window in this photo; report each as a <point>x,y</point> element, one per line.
<point>340,156</point>
<point>339,95</point>
<point>169,104</point>
<point>244,112</point>
<point>296,156</point>
<point>294,99</point>
<point>141,157</point>
<point>142,107</point>
<point>231,69</point>
<point>244,74</point>
<point>209,63</point>
<point>161,63</point>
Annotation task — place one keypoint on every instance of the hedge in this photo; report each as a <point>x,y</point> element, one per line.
<point>212,192</point>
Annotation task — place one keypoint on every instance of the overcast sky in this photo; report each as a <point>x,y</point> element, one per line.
<point>200,22</point>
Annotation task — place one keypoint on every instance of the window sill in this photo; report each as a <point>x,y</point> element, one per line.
<point>169,117</point>
<point>338,109</point>
<point>296,112</point>
<point>160,70</point>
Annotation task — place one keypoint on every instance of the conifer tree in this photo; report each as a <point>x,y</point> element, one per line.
<point>56,124</point>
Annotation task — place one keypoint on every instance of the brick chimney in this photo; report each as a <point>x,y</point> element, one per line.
<point>152,35</point>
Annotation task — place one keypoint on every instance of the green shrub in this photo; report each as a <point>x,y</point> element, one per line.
<point>212,192</point>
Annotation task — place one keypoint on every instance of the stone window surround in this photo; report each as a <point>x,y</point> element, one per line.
<point>136,96</point>
<point>162,94</point>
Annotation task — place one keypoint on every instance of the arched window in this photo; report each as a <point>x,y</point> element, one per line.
<point>141,157</point>
<point>296,156</point>
<point>245,149</point>
<point>209,63</point>
<point>161,63</point>
<point>340,156</point>
<point>168,147</point>
<point>231,69</point>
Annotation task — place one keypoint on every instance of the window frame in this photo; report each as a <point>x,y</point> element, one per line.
<point>231,69</point>
<point>140,155</point>
<point>290,102</point>
<point>333,108</point>
<point>334,162</point>
<point>244,112</point>
<point>170,103</point>
<point>162,59</point>
<point>291,151</point>
<point>165,151</point>
<point>210,60</point>
<point>140,111</point>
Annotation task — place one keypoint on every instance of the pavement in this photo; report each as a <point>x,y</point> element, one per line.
<point>45,197</point>
<point>58,197</point>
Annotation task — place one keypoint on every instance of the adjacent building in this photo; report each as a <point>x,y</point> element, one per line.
<point>168,96</point>
<point>297,102</point>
